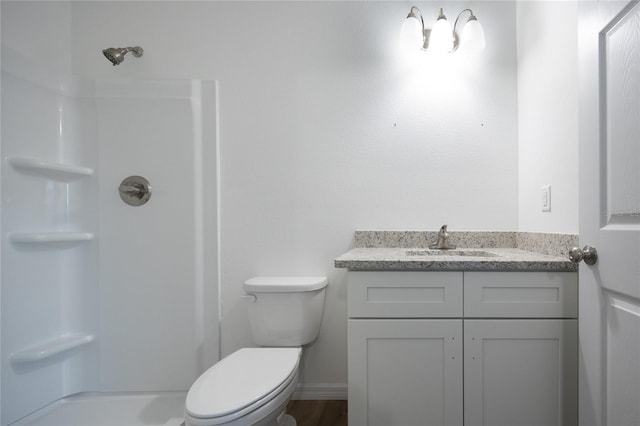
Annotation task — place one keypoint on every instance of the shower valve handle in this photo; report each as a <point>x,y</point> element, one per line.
<point>135,190</point>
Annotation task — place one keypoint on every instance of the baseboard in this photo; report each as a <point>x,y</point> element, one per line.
<point>320,391</point>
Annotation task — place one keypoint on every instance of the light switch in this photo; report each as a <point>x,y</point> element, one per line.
<point>546,198</point>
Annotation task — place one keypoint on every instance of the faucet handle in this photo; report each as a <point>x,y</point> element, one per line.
<point>443,240</point>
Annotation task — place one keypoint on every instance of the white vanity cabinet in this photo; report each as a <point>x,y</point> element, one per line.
<point>462,348</point>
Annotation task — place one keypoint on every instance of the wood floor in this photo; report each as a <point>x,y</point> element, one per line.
<point>319,413</point>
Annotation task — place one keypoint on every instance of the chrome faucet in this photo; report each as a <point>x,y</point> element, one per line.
<point>443,240</point>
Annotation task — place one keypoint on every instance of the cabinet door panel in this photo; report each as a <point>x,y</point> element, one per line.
<point>405,372</point>
<point>520,372</point>
<point>521,294</point>
<point>405,294</point>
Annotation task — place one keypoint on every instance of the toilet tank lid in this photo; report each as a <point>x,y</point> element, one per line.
<point>284,284</point>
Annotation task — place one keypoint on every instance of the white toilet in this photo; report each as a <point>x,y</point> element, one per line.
<point>252,386</point>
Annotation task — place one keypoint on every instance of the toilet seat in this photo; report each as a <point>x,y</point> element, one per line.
<point>241,383</point>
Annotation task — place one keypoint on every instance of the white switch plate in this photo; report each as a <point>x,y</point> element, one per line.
<point>546,198</point>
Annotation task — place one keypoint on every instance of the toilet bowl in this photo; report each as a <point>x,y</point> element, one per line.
<point>252,386</point>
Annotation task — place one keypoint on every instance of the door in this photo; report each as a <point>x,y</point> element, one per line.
<point>520,372</point>
<point>405,372</point>
<point>609,370</point>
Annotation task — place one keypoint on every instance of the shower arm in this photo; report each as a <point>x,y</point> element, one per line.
<point>137,51</point>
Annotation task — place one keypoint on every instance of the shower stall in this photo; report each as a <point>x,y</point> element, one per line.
<point>107,309</point>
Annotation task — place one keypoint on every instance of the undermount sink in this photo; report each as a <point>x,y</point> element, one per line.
<point>468,253</point>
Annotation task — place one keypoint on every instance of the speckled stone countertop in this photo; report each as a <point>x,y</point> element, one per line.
<point>479,251</point>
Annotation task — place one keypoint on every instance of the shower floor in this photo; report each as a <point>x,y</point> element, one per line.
<point>136,409</point>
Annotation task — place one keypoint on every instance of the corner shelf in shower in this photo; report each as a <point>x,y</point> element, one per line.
<point>53,171</point>
<point>49,237</point>
<point>51,348</point>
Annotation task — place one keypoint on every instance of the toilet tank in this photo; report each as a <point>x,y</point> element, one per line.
<point>287,311</point>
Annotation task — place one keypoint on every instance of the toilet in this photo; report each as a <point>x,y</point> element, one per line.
<point>252,386</point>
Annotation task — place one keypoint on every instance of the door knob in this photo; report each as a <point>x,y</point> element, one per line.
<point>588,254</point>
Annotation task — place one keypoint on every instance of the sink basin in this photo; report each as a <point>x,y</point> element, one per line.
<point>464,253</point>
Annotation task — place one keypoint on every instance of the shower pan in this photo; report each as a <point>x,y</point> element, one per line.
<point>105,304</point>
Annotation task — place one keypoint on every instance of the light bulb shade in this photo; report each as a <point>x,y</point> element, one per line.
<point>441,38</point>
<point>472,37</point>
<point>411,35</point>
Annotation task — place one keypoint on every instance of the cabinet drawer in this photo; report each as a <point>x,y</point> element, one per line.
<point>405,294</point>
<point>521,294</point>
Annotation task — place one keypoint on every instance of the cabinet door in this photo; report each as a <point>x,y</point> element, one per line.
<point>520,372</point>
<point>405,372</point>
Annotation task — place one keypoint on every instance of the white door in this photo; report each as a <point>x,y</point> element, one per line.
<point>609,372</point>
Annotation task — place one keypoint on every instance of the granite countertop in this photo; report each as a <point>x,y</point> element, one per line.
<point>381,250</point>
<point>505,259</point>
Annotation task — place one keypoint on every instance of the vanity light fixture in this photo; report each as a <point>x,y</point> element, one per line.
<point>442,38</point>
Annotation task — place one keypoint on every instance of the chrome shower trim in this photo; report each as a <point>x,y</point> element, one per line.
<point>115,55</point>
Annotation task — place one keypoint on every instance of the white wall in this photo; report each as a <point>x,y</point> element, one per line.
<point>39,30</point>
<point>548,114</point>
<point>325,129</point>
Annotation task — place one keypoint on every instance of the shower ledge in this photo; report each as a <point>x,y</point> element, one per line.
<point>49,237</point>
<point>51,348</point>
<point>49,170</point>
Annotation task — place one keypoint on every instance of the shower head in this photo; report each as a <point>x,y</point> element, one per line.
<point>116,54</point>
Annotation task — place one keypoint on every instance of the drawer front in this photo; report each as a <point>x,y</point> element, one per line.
<point>405,294</point>
<point>521,294</point>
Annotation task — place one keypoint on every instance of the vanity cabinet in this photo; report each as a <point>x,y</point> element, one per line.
<point>462,348</point>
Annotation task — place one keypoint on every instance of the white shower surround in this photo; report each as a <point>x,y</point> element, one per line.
<point>99,296</point>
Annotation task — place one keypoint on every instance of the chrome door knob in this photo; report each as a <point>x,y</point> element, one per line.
<point>588,254</point>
